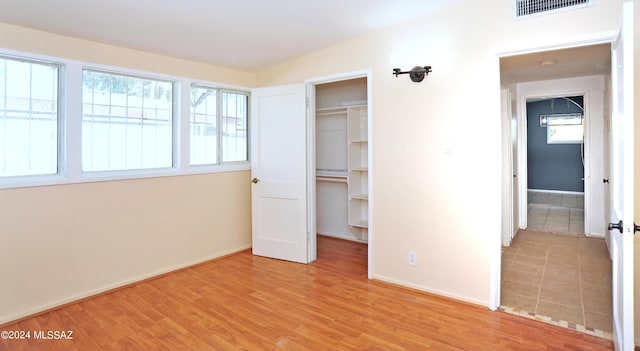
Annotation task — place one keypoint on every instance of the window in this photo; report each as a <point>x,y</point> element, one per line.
<point>204,123</point>
<point>28,117</point>
<point>234,127</point>
<point>565,134</point>
<point>119,124</point>
<point>127,122</point>
<point>218,126</point>
<point>563,128</point>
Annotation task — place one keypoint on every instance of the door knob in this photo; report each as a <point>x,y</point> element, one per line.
<point>255,180</point>
<point>613,226</point>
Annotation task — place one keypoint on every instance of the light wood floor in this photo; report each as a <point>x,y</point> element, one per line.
<point>244,302</point>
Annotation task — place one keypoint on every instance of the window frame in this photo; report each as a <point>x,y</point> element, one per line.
<point>70,126</point>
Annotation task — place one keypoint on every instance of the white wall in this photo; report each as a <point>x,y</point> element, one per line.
<point>444,206</point>
<point>60,243</point>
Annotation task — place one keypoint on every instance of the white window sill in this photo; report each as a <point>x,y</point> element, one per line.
<point>106,176</point>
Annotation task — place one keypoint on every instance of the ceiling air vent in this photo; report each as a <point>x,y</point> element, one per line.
<point>527,8</point>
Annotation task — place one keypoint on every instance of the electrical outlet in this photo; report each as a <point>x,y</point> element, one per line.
<point>413,258</point>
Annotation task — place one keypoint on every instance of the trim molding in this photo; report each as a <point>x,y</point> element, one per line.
<point>424,289</point>
<point>557,191</point>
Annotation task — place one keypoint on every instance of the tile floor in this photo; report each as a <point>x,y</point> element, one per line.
<point>555,212</point>
<point>556,273</point>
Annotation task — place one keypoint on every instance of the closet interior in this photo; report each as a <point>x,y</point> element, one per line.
<point>342,157</point>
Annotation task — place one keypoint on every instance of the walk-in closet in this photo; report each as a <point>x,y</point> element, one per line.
<point>342,158</point>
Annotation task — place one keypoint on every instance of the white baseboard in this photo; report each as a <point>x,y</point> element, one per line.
<point>432,291</point>
<point>556,191</point>
<point>86,294</point>
<point>343,237</point>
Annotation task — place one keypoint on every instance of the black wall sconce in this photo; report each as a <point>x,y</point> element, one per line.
<point>416,74</point>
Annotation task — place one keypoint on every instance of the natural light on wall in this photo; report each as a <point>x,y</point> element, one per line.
<point>563,128</point>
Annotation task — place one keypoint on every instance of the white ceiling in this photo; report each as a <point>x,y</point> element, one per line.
<point>243,34</point>
<point>564,63</point>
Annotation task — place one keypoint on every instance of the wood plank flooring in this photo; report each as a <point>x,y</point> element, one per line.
<point>245,302</point>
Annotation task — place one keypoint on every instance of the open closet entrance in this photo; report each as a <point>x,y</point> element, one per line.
<point>342,159</point>
<point>341,173</point>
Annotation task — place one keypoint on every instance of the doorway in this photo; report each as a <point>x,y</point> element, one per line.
<point>552,270</point>
<point>555,164</point>
<point>340,177</point>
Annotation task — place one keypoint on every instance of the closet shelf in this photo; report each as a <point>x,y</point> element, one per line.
<point>329,113</point>
<point>331,109</point>
<point>360,196</point>
<point>361,223</point>
<point>330,173</point>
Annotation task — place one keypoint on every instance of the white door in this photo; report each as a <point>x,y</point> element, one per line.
<point>278,172</point>
<point>622,178</point>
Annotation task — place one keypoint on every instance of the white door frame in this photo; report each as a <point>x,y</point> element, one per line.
<point>311,157</point>
<point>522,149</point>
<point>592,89</point>
<point>507,169</point>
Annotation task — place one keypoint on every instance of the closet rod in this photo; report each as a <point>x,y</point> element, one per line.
<point>336,179</point>
<point>327,114</point>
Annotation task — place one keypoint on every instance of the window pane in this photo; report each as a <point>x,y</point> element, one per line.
<point>234,127</point>
<point>28,118</point>
<point>203,121</point>
<point>126,122</point>
<point>567,134</point>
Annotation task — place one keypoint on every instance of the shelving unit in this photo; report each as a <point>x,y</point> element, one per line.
<point>358,170</point>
